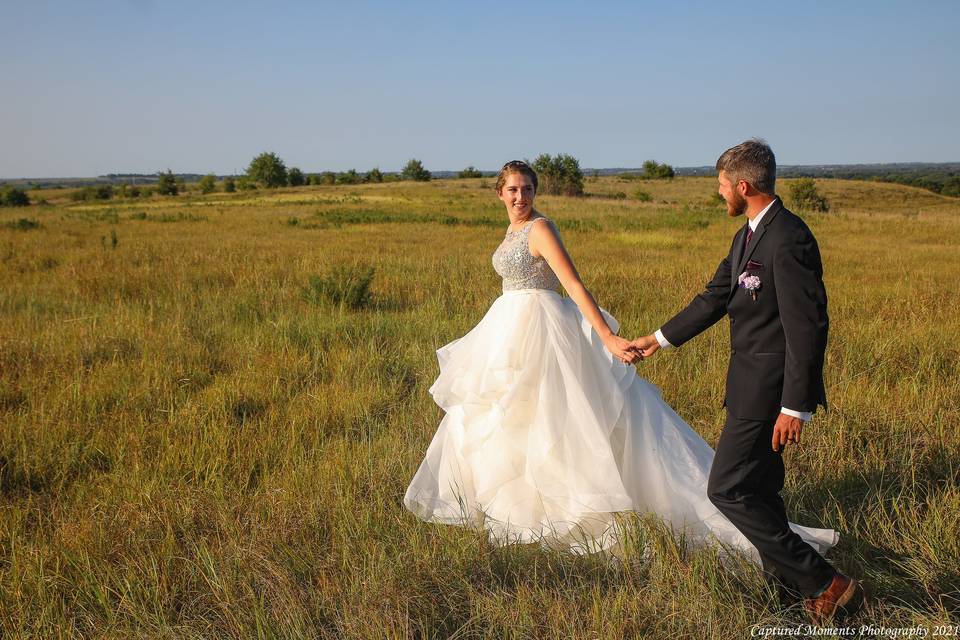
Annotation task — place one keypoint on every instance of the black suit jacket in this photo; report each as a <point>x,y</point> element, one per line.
<point>778,339</point>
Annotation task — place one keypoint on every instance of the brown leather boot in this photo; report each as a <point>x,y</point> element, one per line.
<point>842,598</point>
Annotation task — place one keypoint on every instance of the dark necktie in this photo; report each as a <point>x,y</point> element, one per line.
<point>749,235</point>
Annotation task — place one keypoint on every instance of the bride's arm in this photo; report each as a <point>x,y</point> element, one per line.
<point>545,241</point>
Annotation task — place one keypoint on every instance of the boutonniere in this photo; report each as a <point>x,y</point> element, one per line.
<point>750,284</point>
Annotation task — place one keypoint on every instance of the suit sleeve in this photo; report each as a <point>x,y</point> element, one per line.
<point>802,300</point>
<point>703,311</point>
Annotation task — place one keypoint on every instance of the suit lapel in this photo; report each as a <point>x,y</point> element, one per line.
<point>758,236</point>
<point>737,254</point>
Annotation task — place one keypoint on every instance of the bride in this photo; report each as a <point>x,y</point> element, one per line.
<point>549,433</point>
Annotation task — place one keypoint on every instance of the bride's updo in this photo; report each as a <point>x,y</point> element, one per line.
<point>516,166</point>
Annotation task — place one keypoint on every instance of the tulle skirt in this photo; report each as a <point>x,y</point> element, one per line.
<point>547,437</point>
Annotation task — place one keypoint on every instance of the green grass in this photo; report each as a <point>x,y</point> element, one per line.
<point>192,446</point>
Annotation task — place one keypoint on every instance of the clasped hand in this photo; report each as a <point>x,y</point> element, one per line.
<point>630,352</point>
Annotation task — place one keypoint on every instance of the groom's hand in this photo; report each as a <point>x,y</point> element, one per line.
<point>787,429</point>
<point>647,345</point>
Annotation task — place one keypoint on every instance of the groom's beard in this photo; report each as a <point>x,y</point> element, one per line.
<point>737,206</point>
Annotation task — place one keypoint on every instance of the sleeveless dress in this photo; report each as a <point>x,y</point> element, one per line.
<point>547,436</point>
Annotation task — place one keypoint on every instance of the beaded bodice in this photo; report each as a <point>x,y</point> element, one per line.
<point>518,268</point>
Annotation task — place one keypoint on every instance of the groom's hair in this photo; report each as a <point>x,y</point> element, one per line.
<point>752,161</point>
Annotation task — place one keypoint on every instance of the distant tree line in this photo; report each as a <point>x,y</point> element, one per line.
<point>942,178</point>
<point>946,184</point>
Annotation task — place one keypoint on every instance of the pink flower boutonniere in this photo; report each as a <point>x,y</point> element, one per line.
<point>750,284</point>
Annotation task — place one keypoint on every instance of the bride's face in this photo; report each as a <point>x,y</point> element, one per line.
<point>517,195</point>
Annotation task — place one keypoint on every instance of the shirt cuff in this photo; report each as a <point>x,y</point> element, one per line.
<point>803,415</point>
<point>664,343</point>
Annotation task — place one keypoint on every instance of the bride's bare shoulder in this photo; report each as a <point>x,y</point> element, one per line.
<point>542,225</point>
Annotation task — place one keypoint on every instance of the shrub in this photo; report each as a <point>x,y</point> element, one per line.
<point>560,175</point>
<point>618,195</point>
<point>804,195</point>
<point>349,177</point>
<point>951,187</point>
<point>342,286</point>
<point>14,197</point>
<point>642,196</point>
<point>167,184</point>
<point>99,192</point>
<point>470,172</point>
<point>268,169</point>
<point>414,171</point>
<point>295,177</point>
<point>208,183</point>
<point>23,224</point>
<point>374,175</point>
<point>244,183</point>
<point>653,169</point>
<point>229,184</point>
<point>328,177</point>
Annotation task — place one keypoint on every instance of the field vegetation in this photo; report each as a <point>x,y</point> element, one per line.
<point>211,406</point>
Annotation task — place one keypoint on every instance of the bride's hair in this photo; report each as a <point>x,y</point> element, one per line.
<point>516,166</point>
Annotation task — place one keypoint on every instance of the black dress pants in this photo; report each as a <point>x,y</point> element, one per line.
<point>745,483</point>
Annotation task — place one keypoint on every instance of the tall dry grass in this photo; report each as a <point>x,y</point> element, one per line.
<point>193,446</point>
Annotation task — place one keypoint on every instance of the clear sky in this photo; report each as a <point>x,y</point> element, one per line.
<point>143,85</point>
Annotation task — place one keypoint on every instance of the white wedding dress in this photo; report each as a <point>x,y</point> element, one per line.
<point>547,436</point>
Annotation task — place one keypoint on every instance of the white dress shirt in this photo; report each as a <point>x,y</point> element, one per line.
<point>665,344</point>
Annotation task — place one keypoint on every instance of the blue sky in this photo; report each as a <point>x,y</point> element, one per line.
<point>140,86</point>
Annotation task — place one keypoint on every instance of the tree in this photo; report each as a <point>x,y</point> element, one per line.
<point>804,195</point>
<point>14,197</point>
<point>559,175</point>
<point>167,184</point>
<point>655,170</point>
<point>328,177</point>
<point>295,177</point>
<point>208,183</point>
<point>267,169</point>
<point>229,184</point>
<point>470,172</point>
<point>374,175</point>
<point>414,171</point>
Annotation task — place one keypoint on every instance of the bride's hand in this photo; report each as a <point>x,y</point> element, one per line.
<point>622,349</point>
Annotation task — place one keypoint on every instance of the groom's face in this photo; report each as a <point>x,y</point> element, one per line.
<point>736,203</point>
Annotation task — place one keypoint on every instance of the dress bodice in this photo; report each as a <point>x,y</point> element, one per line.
<point>518,267</point>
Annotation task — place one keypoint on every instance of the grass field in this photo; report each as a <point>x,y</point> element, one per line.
<point>192,446</point>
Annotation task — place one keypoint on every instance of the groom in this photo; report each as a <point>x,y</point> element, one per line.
<point>771,286</point>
